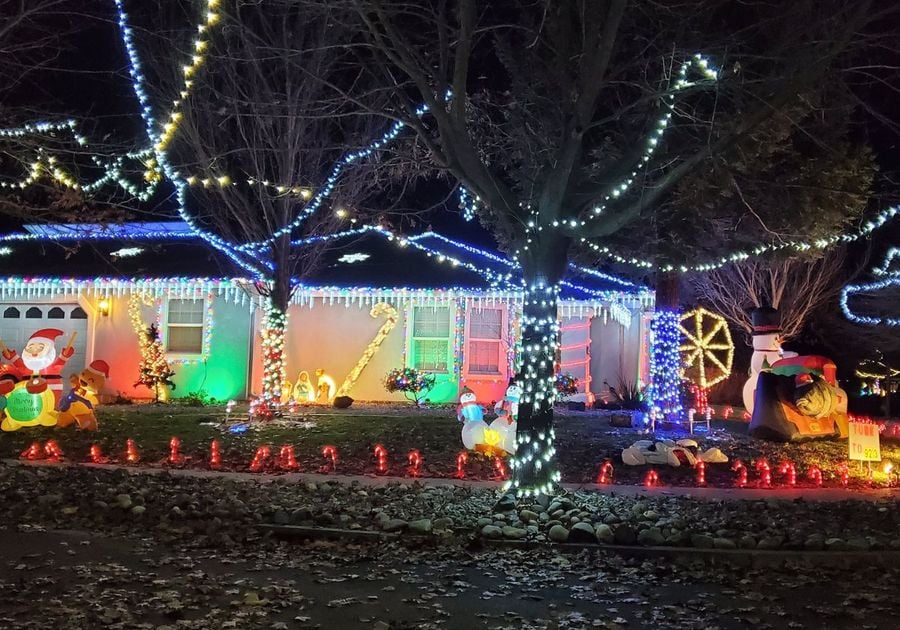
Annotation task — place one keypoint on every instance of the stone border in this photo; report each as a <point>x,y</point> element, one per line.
<point>683,555</point>
<point>711,494</point>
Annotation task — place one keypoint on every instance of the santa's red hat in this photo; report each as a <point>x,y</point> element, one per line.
<point>99,367</point>
<point>45,335</point>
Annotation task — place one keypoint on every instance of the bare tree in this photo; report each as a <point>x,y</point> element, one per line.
<point>537,107</point>
<point>262,145</point>
<point>796,286</point>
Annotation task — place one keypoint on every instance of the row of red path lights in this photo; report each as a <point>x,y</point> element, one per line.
<point>286,460</point>
<point>786,469</point>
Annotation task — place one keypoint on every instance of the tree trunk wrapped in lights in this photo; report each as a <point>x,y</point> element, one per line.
<point>273,334</point>
<point>534,469</point>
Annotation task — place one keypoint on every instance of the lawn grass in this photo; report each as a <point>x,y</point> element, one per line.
<point>584,441</point>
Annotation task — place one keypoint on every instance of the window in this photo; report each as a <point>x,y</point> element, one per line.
<point>56,313</point>
<point>484,347</point>
<point>184,327</point>
<point>431,338</point>
<point>77,313</point>
<point>34,313</point>
<point>11,313</point>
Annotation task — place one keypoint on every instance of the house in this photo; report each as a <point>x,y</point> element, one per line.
<point>447,307</point>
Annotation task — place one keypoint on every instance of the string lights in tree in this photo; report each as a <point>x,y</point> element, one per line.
<point>889,279</point>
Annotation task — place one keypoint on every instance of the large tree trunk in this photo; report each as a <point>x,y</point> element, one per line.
<point>274,329</point>
<point>534,465</point>
<point>664,393</point>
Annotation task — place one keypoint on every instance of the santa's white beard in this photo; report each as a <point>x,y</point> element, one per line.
<point>40,362</point>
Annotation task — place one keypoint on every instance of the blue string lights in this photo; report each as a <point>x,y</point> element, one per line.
<point>890,279</point>
<point>664,392</point>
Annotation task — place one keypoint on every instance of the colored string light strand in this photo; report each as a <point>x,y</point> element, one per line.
<point>137,83</point>
<point>765,248</point>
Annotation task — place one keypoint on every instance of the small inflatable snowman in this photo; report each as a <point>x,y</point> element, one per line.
<point>470,413</point>
<point>766,348</point>
<point>505,425</point>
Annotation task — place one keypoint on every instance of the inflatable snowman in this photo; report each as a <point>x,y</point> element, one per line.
<point>507,411</point>
<point>470,413</point>
<point>766,349</point>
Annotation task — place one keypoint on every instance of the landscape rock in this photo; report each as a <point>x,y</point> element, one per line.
<point>724,543</point>
<point>702,541</point>
<point>624,534</point>
<point>582,533</point>
<point>421,526</point>
<point>514,533</point>
<point>558,534</point>
<point>651,537</point>
<point>604,534</point>
<point>394,525</point>
<point>491,531</point>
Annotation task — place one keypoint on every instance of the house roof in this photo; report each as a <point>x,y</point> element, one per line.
<point>366,257</point>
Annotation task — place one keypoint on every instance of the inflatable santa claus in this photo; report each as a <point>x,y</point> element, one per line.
<point>39,360</point>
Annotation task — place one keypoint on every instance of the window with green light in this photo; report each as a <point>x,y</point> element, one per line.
<point>431,338</point>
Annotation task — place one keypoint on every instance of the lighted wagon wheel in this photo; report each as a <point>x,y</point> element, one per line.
<point>707,351</point>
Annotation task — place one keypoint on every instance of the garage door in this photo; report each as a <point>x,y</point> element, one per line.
<point>19,321</point>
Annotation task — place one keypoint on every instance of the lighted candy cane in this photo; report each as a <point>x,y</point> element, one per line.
<point>461,461</point>
<point>787,469</point>
<point>330,454</point>
<point>728,411</point>
<point>380,309</point>
<point>815,475</point>
<point>701,473</point>
<point>765,473</point>
<point>415,462</point>
<point>260,458</point>
<point>131,453</point>
<point>174,451</point>
<point>844,472</point>
<point>739,467</point>
<point>286,458</point>
<point>215,455</point>
<point>381,456</point>
<point>651,478</point>
<point>606,472</point>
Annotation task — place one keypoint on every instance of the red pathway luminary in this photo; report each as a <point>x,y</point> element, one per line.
<point>500,467</point>
<point>215,454</point>
<point>96,454</point>
<point>701,473</point>
<point>651,478</point>
<point>175,457</point>
<point>131,453</point>
<point>52,451</point>
<point>33,452</point>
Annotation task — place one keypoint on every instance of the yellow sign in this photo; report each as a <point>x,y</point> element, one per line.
<point>865,442</point>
